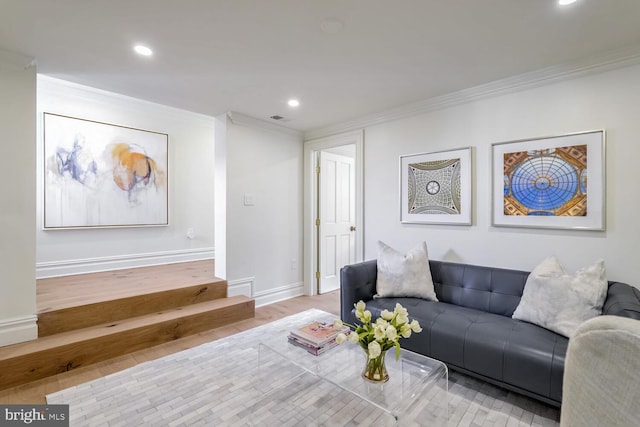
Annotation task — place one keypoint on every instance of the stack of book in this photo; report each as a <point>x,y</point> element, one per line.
<point>316,337</point>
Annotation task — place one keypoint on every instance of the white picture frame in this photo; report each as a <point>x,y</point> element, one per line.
<point>435,188</point>
<point>542,182</point>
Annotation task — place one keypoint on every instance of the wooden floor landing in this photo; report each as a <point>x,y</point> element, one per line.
<point>83,289</point>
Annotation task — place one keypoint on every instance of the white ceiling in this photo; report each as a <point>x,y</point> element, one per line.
<point>250,56</point>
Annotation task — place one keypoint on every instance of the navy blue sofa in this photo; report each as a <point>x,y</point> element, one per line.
<point>471,329</point>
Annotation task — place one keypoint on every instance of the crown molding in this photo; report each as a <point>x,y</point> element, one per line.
<point>244,120</point>
<point>64,88</point>
<point>606,61</point>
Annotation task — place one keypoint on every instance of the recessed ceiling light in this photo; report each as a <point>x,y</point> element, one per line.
<point>331,25</point>
<point>142,50</point>
<point>293,103</point>
<point>565,2</point>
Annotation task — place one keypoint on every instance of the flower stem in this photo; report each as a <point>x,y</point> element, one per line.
<point>375,369</point>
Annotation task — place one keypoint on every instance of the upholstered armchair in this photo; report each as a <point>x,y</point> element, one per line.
<point>601,384</point>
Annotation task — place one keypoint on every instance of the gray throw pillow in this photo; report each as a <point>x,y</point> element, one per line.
<point>559,301</point>
<point>404,275</point>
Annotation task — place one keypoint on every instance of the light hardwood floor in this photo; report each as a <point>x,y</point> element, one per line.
<point>57,293</point>
<point>35,392</point>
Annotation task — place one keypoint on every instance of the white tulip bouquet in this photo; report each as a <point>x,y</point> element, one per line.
<point>377,337</point>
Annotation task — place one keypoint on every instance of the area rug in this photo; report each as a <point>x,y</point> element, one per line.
<point>216,384</point>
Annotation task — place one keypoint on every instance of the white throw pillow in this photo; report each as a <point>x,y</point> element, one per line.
<point>559,301</point>
<point>404,275</point>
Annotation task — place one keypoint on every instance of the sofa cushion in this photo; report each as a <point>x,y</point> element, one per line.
<point>490,289</point>
<point>534,360</point>
<point>404,275</point>
<point>559,301</point>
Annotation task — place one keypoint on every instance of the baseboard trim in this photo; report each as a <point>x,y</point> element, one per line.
<point>95,265</point>
<point>240,287</point>
<point>17,330</point>
<point>279,294</point>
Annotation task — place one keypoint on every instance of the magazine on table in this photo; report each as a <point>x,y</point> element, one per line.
<point>317,333</point>
<point>316,351</point>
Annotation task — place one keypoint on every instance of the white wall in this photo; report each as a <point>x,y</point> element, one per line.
<point>264,239</point>
<point>17,201</point>
<point>191,186</point>
<point>609,101</point>
<point>220,212</point>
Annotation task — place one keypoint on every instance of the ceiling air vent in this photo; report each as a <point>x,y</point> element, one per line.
<point>276,117</point>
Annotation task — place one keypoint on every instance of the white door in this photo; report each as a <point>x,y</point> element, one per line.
<point>336,229</point>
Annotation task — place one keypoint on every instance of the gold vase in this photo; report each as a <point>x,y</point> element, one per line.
<point>374,368</point>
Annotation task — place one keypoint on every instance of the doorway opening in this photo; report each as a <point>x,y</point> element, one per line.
<point>333,209</point>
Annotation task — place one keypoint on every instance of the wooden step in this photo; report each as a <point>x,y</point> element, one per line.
<point>25,362</point>
<point>55,293</point>
<point>56,320</point>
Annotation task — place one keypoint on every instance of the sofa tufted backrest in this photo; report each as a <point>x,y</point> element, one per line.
<point>494,290</point>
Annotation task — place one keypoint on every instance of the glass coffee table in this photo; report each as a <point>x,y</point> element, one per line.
<point>301,388</point>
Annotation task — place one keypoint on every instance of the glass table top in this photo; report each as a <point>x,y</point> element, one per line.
<point>282,364</point>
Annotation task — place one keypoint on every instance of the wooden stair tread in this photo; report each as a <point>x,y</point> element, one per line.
<point>63,292</point>
<point>71,301</point>
<point>69,337</point>
<point>60,320</point>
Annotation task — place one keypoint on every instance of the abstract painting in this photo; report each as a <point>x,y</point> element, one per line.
<point>436,187</point>
<point>554,182</point>
<point>103,175</point>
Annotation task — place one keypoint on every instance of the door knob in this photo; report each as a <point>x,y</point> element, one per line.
<point>352,228</point>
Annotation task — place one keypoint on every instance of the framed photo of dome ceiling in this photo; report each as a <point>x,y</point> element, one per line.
<point>435,188</point>
<point>550,182</point>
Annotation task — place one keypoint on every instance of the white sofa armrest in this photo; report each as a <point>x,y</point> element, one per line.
<point>601,383</point>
